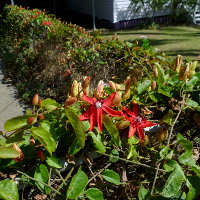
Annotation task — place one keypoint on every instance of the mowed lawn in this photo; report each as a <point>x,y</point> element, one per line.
<point>173,40</point>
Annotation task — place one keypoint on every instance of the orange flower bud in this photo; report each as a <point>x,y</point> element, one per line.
<point>40,117</point>
<point>127,94</point>
<point>112,85</point>
<point>32,141</point>
<point>155,71</point>
<point>178,63</point>
<point>41,155</point>
<point>70,101</point>
<point>162,134</point>
<point>80,91</point>
<point>117,99</point>
<point>31,120</point>
<point>183,73</point>
<point>74,88</point>
<point>127,83</point>
<point>35,100</point>
<point>117,86</point>
<point>153,85</point>
<point>86,82</point>
<point>40,103</point>
<point>21,155</point>
<point>123,124</point>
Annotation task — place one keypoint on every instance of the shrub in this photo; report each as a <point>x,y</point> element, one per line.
<point>104,128</point>
<point>37,48</point>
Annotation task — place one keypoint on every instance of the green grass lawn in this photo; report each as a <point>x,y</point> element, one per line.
<point>173,39</point>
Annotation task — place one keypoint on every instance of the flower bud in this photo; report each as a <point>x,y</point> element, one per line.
<point>70,101</point>
<point>35,100</point>
<point>67,73</point>
<point>86,82</point>
<point>153,85</point>
<point>117,86</point>
<point>21,155</point>
<point>74,88</point>
<point>112,85</point>
<point>122,124</point>
<point>80,91</point>
<point>155,71</point>
<point>183,73</point>
<point>40,117</point>
<point>127,83</point>
<point>117,99</point>
<point>40,103</point>
<point>144,142</point>
<point>178,63</point>
<point>31,120</point>
<point>162,134</point>
<point>41,155</point>
<point>127,94</point>
<point>192,67</point>
<point>32,141</point>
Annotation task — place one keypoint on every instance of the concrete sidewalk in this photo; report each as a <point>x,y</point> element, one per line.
<point>9,104</point>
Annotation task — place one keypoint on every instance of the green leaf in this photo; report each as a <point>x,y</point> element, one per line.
<point>97,142</point>
<point>111,176</point>
<point>112,129</point>
<point>114,155</point>
<point>16,123</point>
<point>192,104</point>
<point>161,75</point>
<point>8,190</point>
<point>54,162</point>
<point>45,138</point>
<point>132,152</point>
<point>77,184</point>
<point>77,125</point>
<point>141,87</point>
<point>164,152</point>
<point>42,174</point>
<point>193,183</point>
<point>168,118</point>
<point>50,104</point>
<point>143,194</point>
<point>74,147</point>
<point>186,144</point>
<point>174,181</point>
<point>187,159</point>
<point>8,152</point>
<point>156,97</point>
<point>167,91</point>
<point>94,194</point>
<point>133,140</point>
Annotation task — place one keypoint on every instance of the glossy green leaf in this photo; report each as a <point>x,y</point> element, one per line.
<point>74,147</point>
<point>8,190</point>
<point>193,183</point>
<point>45,138</point>
<point>111,176</point>
<point>186,144</point>
<point>16,123</point>
<point>42,174</point>
<point>167,91</point>
<point>132,152</point>
<point>192,104</point>
<point>141,87</point>
<point>94,194</point>
<point>98,144</point>
<point>164,152</point>
<point>174,181</point>
<point>8,152</point>
<point>114,156</point>
<point>54,162</point>
<point>133,140</point>
<point>77,184</point>
<point>187,159</point>
<point>143,194</point>
<point>49,104</point>
<point>77,125</point>
<point>112,130</point>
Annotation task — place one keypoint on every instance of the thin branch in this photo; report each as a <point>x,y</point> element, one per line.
<point>132,162</point>
<point>155,178</point>
<point>29,177</point>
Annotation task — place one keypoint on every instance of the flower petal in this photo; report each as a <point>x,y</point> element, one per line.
<point>93,120</point>
<point>112,112</point>
<point>87,113</point>
<point>140,132</point>
<point>99,119</point>
<point>128,111</point>
<point>89,99</point>
<point>108,101</point>
<point>144,123</point>
<point>136,109</point>
<point>131,132</point>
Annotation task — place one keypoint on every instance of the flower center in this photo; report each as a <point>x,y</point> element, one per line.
<point>138,119</point>
<point>98,104</point>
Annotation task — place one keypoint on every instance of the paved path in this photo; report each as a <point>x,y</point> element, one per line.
<point>9,104</point>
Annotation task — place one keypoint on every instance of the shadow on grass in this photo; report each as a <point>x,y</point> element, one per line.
<point>186,53</point>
